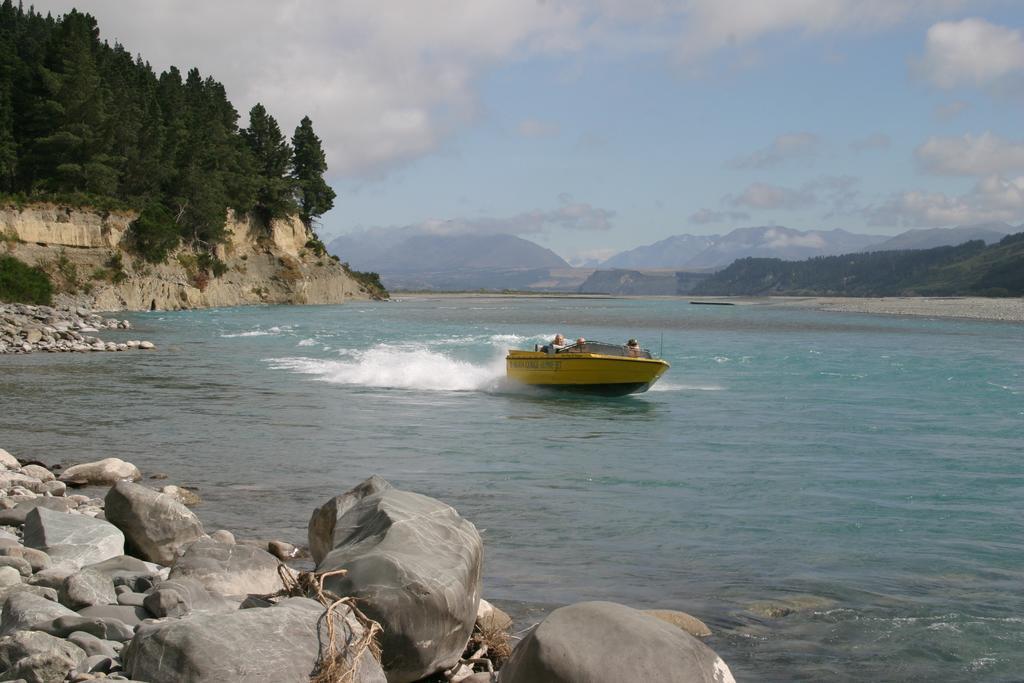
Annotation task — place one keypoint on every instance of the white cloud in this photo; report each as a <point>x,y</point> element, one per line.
<point>716,24</point>
<point>992,199</point>
<point>388,82</point>
<point>970,52</point>
<point>590,257</point>
<point>970,155</point>
<point>568,215</point>
<point>384,82</point>
<point>535,128</point>
<point>837,192</point>
<point>873,141</point>
<point>705,216</point>
<point>777,239</point>
<point>766,196</point>
<point>788,146</point>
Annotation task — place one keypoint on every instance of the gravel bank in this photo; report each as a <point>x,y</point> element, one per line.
<point>25,329</point>
<point>972,308</point>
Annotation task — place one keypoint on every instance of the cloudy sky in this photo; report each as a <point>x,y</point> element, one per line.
<point>595,126</point>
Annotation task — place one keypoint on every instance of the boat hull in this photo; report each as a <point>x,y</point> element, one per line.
<point>584,372</point>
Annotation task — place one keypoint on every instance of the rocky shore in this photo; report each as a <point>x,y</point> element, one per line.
<point>27,329</point>
<point>121,581</point>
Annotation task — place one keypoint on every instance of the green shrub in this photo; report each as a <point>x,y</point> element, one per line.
<point>369,280</point>
<point>114,270</point>
<point>11,238</point>
<point>68,270</point>
<point>316,246</point>
<point>209,262</point>
<point>153,234</point>
<point>21,283</point>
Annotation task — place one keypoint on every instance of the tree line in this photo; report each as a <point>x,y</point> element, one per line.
<point>85,123</point>
<point>971,268</point>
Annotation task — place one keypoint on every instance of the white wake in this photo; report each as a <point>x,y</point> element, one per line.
<point>408,366</point>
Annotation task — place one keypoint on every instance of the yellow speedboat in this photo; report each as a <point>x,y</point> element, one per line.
<point>592,367</point>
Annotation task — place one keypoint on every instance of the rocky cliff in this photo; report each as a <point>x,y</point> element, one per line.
<point>86,252</point>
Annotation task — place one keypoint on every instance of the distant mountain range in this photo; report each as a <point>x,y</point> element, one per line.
<point>416,260</point>
<point>412,259</point>
<point>676,251</point>
<point>971,268</point>
<point>425,253</point>
<point>989,233</point>
<point>689,252</point>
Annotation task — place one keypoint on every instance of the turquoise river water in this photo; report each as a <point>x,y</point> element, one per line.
<point>868,472</point>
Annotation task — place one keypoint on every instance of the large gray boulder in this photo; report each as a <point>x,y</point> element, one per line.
<point>37,656</point>
<point>16,515</point>
<point>72,539</point>
<point>108,628</point>
<point>37,559</point>
<point>106,472</point>
<point>8,460</point>
<point>24,610</point>
<point>38,471</point>
<point>274,645</point>
<point>85,588</point>
<point>9,576</point>
<point>125,570</point>
<point>155,525</point>
<point>177,597</point>
<point>413,563</point>
<point>93,645</point>
<point>228,569</point>
<point>604,642</point>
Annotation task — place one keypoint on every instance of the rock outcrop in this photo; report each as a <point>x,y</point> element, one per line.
<point>604,642</point>
<point>265,264</point>
<point>271,645</point>
<point>77,540</point>
<point>155,525</point>
<point>75,609</point>
<point>414,565</point>
<point>228,569</point>
<point>106,472</point>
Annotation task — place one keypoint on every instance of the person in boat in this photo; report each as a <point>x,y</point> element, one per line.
<point>580,343</point>
<point>556,345</point>
<point>633,348</point>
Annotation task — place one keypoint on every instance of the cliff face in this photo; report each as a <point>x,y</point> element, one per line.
<point>80,250</point>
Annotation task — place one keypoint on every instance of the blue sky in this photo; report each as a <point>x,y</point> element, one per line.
<point>592,127</point>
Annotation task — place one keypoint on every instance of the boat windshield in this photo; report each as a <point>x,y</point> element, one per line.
<point>605,349</point>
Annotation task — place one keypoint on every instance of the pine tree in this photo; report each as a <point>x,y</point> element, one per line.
<point>309,163</point>
<point>8,72</point>
<point>273,157</point>
<point>83,121</point>
<point>74,152</point>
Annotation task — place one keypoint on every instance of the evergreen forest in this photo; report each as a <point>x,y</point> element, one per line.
<point>971,268</point>
<point>84,123</point>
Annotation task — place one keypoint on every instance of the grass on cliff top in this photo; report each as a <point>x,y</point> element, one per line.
<point>21,283</point>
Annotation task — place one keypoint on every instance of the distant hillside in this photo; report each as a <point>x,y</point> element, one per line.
<point>716,251</point>
<point>415,260</point>
<point>971,268</point>
<point>673,252</point>
<point>780,242</point>
<point>639,283</point>
<point>989,233</point>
